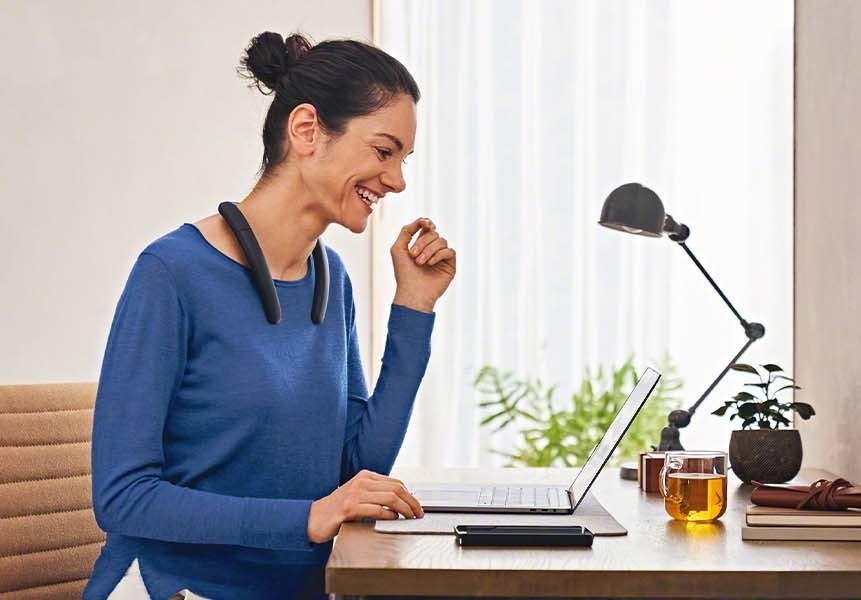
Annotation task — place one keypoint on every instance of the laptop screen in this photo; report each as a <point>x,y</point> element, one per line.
<point>611,438</point>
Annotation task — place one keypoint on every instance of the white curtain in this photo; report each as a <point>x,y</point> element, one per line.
<point>532,112</point>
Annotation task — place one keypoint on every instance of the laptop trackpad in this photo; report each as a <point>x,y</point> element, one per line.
<point>446,497</point>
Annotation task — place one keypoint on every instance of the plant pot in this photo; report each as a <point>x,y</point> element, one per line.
<point>765,455</point>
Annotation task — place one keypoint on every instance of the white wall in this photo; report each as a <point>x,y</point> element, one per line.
<point>120,121</point>
<point>827,245</point>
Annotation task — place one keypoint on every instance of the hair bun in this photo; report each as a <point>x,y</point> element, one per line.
<point>268,58</point>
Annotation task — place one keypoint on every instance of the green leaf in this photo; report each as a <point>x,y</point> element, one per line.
<point>745,368</point>
<point>747,410</point>
<point>776,377</point>
<point>771,368</point>
<point>487,403</point>
<point>495,415</point>
<point>720,411</point>
<point>786,387</point>
<point>804,410</point>
<point>527,415</point>
<point>748,422</point>
<point>743,396</point>
<point>759,385</point>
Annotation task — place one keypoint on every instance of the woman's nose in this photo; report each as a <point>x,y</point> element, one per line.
<point>394,179</point>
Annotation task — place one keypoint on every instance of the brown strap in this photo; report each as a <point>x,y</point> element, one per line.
<point>822,494</point>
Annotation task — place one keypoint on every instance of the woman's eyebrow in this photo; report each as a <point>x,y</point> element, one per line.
<point>394,140</point>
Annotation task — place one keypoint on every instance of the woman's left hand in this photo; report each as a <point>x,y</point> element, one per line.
<point>424,270</point>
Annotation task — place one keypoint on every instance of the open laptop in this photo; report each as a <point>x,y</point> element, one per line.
<point>490,498</point>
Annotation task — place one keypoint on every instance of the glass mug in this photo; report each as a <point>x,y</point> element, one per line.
<point>693,484</point>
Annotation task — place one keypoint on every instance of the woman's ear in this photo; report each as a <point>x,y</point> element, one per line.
<point>303,130</point>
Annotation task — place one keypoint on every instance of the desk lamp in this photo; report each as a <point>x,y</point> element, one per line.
<point>636,209</point>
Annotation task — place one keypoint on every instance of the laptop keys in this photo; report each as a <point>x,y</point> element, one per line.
<point>520,497</point>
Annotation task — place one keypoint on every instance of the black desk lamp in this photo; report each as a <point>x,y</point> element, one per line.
<point>633,208</point>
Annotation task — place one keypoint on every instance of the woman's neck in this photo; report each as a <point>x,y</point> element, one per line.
<point>286,223</point>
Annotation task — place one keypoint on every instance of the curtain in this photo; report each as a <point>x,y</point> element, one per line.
<point>531,113</point>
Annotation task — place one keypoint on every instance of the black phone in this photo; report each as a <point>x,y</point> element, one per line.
<point>523,535</point>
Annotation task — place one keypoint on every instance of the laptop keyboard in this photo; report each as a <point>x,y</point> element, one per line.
<point>520,496</point>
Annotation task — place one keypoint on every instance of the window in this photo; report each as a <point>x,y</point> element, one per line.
<point>531,114</point>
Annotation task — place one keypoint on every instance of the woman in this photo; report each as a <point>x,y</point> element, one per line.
<point>227,451</point>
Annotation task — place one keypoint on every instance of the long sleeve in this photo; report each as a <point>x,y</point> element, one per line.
<point>376,426</point>
<point>143,366</point>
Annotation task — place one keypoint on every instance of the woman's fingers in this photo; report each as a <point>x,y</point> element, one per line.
<point>431,249</point>
<point>444,254</point>
<point>375,511</point>
<point>408,231</point>
<point>392,501</point>
<point>374,483</point>
<point>401,492</point>
<point>425,238</point>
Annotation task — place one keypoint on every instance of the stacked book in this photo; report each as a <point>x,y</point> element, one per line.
<point>773,523</point>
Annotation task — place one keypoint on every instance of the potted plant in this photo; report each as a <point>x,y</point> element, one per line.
<point>766,454</point>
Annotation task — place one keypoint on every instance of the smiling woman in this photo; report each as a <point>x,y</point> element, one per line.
<point>228,449</point>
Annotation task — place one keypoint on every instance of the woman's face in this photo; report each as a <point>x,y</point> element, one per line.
<point>355,170</point>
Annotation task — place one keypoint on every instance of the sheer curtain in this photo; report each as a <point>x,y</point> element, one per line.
<point>532,112</point>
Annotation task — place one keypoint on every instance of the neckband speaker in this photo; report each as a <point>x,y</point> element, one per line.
<point>260,275</point>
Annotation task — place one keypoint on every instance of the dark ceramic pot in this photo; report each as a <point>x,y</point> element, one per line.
<point>765,455</point>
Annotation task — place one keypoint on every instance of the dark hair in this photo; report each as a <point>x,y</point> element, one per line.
<point>342,79</point>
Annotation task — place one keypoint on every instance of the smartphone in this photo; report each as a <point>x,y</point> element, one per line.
<point>522,535</point>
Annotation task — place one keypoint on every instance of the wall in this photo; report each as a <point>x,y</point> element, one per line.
<point>827,243</point>
<point>121,121</point>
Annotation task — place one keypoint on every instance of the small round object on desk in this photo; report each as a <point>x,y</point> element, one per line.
<point>628,471</point>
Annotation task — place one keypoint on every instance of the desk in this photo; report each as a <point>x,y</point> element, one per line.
<point>659,558</point>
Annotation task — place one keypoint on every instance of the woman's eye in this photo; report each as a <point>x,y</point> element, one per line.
<point>384,153</point>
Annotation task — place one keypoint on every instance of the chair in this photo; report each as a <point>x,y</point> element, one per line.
<point>49,538</point>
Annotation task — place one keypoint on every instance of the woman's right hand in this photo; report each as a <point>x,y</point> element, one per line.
<point>367,495</point>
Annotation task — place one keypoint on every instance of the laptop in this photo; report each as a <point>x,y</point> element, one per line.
<point>491,498</point>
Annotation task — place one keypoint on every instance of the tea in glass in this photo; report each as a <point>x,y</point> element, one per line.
<point>694,485</point>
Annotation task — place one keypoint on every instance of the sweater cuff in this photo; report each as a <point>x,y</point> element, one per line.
<point>410,323</point>
<point>276,523</point>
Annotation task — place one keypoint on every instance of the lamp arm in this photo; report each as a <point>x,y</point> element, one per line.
<point>726,369</point>
<point>680,418</point>
<point>754,331</point>
<point>712,281</point>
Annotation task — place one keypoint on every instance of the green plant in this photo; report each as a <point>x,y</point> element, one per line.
<point>553,436</point>
<point>764,409</point>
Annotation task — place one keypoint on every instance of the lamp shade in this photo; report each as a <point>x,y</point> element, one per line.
<point>633,208</point>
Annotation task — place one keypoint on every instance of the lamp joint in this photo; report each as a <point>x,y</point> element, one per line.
<point>754,331</point>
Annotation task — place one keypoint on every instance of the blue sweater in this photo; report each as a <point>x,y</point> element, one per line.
<point>214,430</point>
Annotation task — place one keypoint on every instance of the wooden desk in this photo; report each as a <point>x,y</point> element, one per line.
<point>659,558</point>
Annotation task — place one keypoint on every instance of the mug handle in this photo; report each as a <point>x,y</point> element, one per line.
<point>670,465</point>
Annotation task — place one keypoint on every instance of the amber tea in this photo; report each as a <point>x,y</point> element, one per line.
<point>695,496</point>
<point>693,483</point>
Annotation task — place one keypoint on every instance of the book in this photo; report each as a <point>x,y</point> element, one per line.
<point>820,534</point>
<point>775,516</point>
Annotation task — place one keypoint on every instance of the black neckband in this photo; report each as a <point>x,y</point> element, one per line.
<point>260,271</point>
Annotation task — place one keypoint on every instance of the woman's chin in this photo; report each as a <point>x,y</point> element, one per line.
<point>356,225</point>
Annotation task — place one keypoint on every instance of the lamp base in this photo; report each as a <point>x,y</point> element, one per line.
<point>670,439</point>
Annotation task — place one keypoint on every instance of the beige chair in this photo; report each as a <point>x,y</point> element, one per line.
<point>49,539</point>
